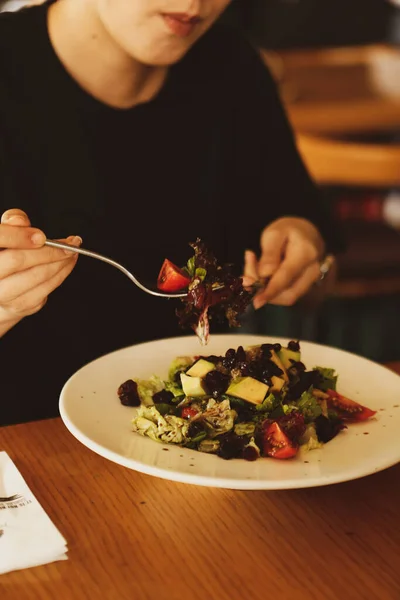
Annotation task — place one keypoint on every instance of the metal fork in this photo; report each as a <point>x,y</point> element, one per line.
<point>115,264</point>
<point>254,288</point>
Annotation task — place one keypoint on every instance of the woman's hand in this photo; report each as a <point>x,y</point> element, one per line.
<point>291,253</point>
<point>29,271</point>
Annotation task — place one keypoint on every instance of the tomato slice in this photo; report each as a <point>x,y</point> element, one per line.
<point>171,278</point>
<point>347,409</point>
<point>277,444</point>
<point>188,412</point>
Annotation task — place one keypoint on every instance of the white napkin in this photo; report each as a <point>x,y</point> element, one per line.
<point>28,538</point>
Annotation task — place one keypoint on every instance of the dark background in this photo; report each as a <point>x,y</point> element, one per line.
<point>312,23</point>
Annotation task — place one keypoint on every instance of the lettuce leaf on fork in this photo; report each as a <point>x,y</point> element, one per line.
<point>214,293</point>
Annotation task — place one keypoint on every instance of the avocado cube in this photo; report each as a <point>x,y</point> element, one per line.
<point>249,389</point>
<point>275,358</point>
<point>287,356</point>
<point>277,384</point>
<point>200,368</point>
<point>192,386</point>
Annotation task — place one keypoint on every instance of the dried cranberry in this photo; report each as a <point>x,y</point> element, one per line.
<point>250,453</point>
<point>128,393</point>
<point>212,358</point>
<point>231,446</point>
<point>163,397</point>
<point>269,369</point>
<point>252,370</point>
<point>294,346</point>
<point>298,365</point>
<point>243,367</point>
<point>216,383</point>
<point>295,370</point>
<point>266,350</point>
<point>302,383</point>
<point>327,429</point>
<point>240,354</point>
<point>230,359</point>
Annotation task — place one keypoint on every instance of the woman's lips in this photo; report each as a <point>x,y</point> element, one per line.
<point>180,24</point>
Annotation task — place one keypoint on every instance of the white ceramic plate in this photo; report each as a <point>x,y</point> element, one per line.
<point>91,410</point>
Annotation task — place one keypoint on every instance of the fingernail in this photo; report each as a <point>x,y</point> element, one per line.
<point>38,239</point>
<point>247,281</point>
<point>76,240</point>
<point>73,240</point>
<point>14,220</point>
<point>257,303</point>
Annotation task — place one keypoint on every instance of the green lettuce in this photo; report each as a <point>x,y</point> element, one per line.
<point>328,378</point>
<point>309,406</point>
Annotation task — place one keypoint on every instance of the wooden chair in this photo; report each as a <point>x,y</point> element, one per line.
<point>337,162</point>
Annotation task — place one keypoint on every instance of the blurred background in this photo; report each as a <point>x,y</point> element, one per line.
<point>337,65</point>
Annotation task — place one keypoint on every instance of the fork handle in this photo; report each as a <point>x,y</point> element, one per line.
<point>113,263</point>
<point>77,250</point>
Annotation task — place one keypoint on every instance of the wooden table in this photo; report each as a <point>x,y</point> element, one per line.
<point>135,537</point>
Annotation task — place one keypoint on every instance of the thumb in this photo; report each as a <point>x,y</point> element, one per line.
<point>273,243</point>
<point>15,216</point>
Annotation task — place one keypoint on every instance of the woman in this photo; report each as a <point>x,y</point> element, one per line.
<point>138,125</point>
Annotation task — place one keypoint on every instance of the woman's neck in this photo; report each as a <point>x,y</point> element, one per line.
<point>96,62</point>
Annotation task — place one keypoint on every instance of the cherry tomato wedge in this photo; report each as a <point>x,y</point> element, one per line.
<point>171,278</point>
<point>276,442</point>
<point>347,409</point>
<point>188,413</point>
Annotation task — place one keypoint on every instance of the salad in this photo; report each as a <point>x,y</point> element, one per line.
<point>259,401</point>
<point>214,292</point>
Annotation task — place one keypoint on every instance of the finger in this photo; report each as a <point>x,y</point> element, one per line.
<point>15,217</point>
<point>299,288</point>
<point>299,255</point>
<point>21,237</point>
<point>16,260</point>
<point>250,272</point>
<point>273,243</point>
<point>31,301</point>
<point>20,283</point>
